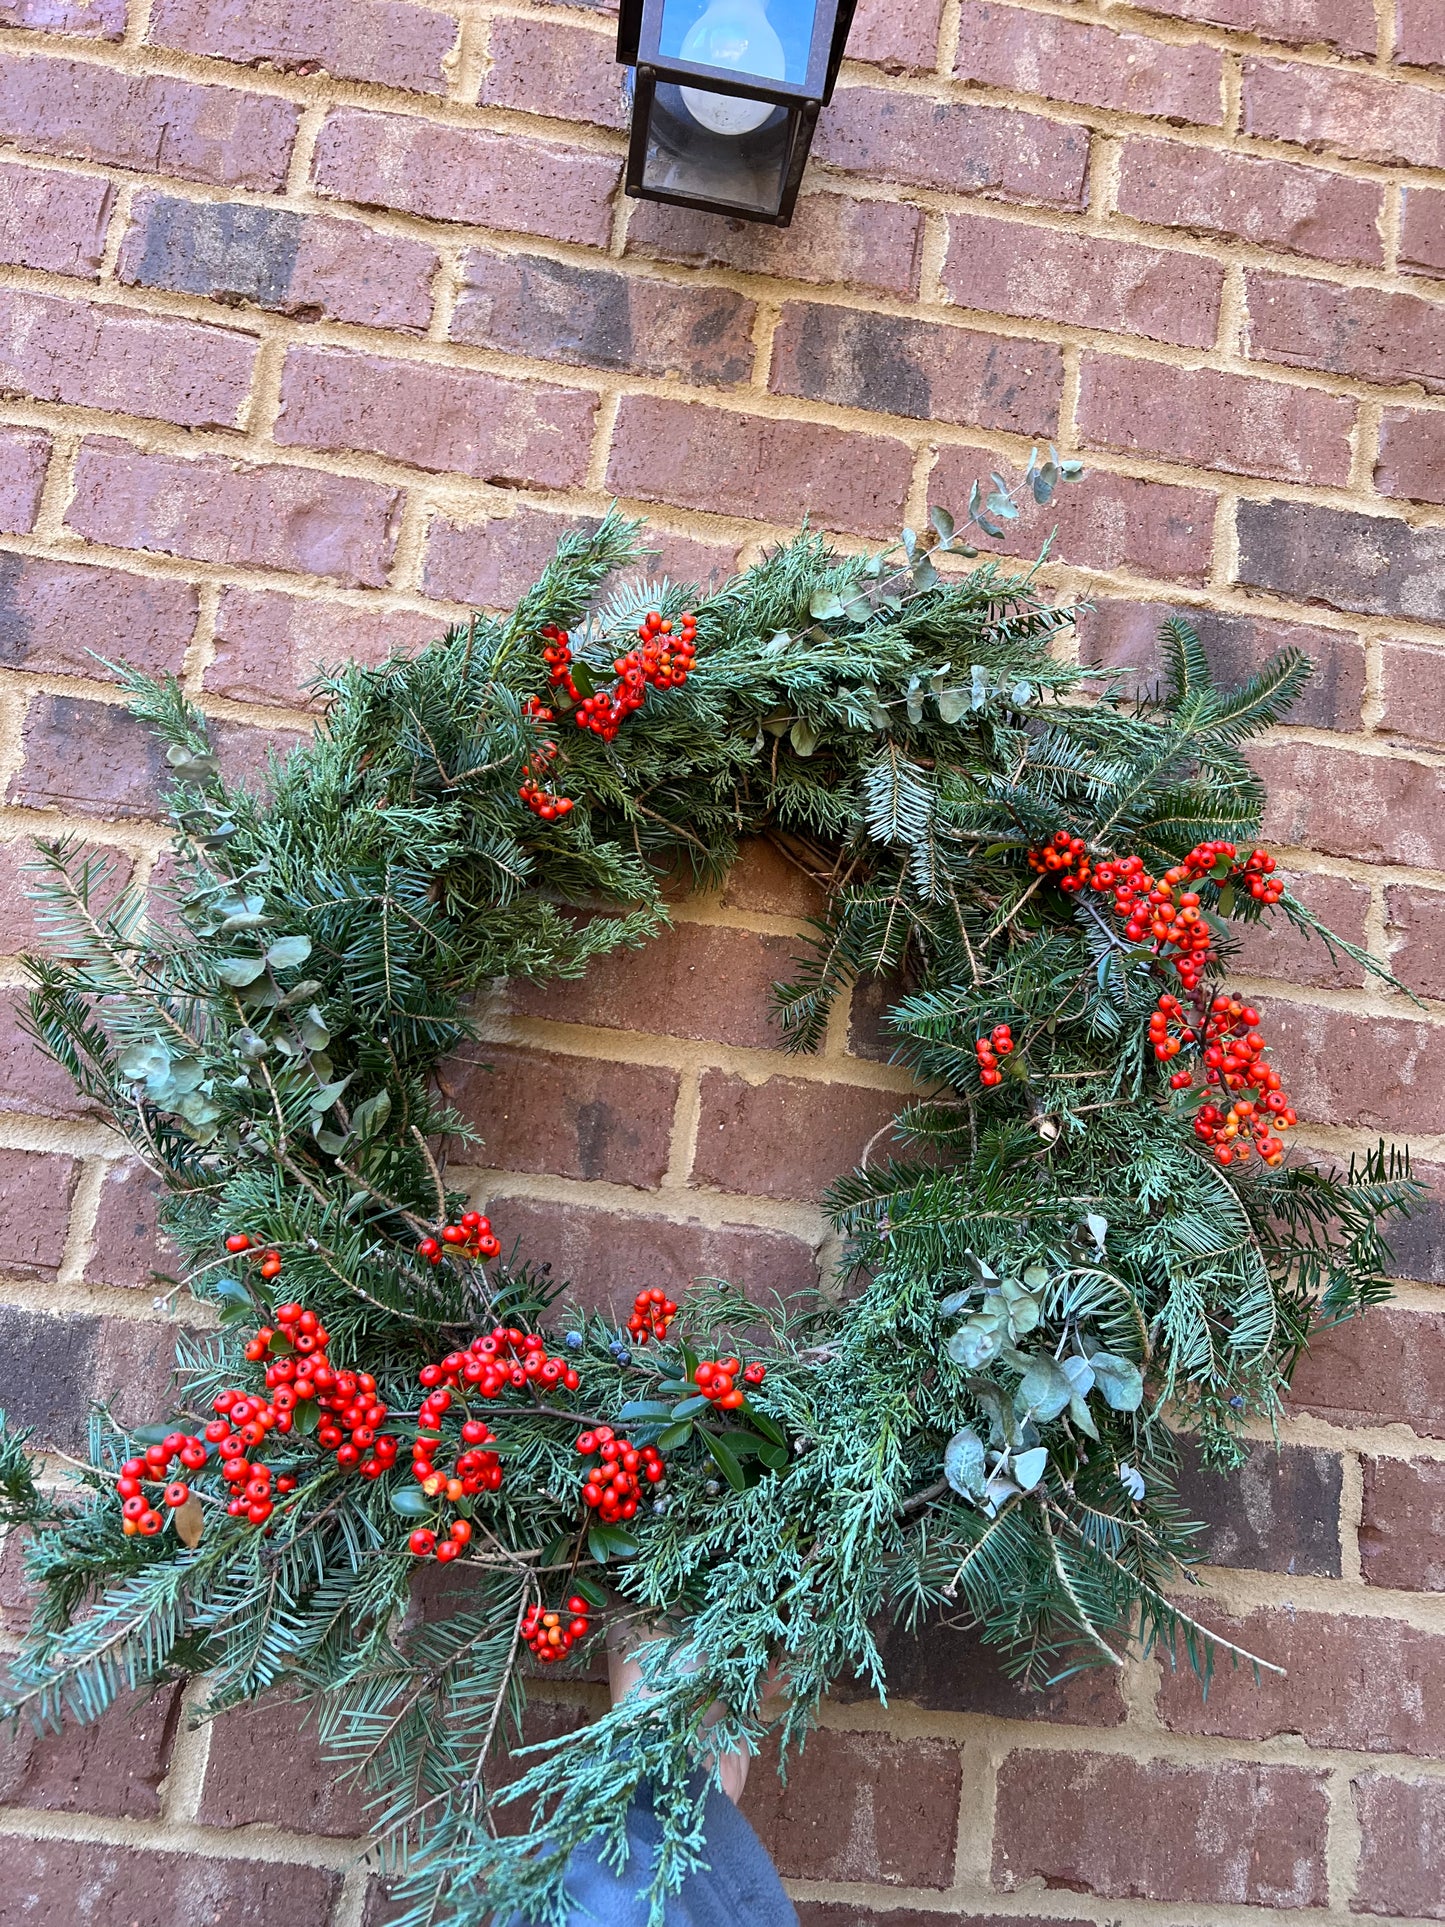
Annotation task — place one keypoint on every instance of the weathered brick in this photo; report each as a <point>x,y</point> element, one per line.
<point>88,757</point>
<point>56,1366</point>
<point>147,121</point>
<point>214,510</point>
<point>769,471</point>
<point>1035,53</point>
<point>1365,117</point>
<point>996,151</point>
<point>267,1768</point>
<point>826,1127</point>
<point>865,244</point>
<point>1386,1368</point>
<point>715,984</point>
<point>308,266</point>
<point>112,1766</point>
<point>243,751</point>
<point>466,174</point>
<point>899,35</point>
<point>94,19</point>
<point>1402,1845</point>
<point>572,1116</point>
<point>24,457</point>
<point>49,219</point>
<point>1348,331</point>
<point>1370,1684</point>
<point>126,1249</point>
<point>35,1192</point>
<point>1422,231</point>
<point>765,878</point>
<point>1417,932</point>
<point>22,926</point>
<point>1419,33</point>
<point>559,69</point>
<point>145,1888</point>
<point>53,614</point>
<point>1125,636</point>
<point>1212,420</point>
<point>948,1669</point>
<point>853,1913</point>
<point>32,1084</point>
<point>860,1806</point>
<point>1280,1512</point>
<point>899,367</point>
<point>1369,1071</point>
<point>1402,1525</point>
<point>269,645</point>
<point>490,564</point>
<point>1417,1243</point>
<point>1275,948</point>
<point>1276,204</point>
<point>1060,1818</point>
<point>112,358</point>
<point>1371,564</point>
<point>610,1256</point>
<point>529,305</point>
<point>1346,24</point>
<point>1412,455</point>
<point>389,41</point>
<point>1111,522</point>
<point>1090,282</point>
<point>448,419</point>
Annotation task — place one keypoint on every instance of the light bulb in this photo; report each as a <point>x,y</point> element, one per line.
<point>736,34</point>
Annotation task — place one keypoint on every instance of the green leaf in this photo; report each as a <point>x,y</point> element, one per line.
<point>942,523</point>
<point>320,1102</point>
<point>1226,900</point>
<point>240,971</point>
<point>1030,1467</point>
<point>974,1345</point>
<point>645,1408</point>
<point>607,1542</point>
<point>1044,1390</point>
<point>306,1417</point>
<point>558,1550</point>
<point>369,1116</point>
<point>690,1407</point>
<point>1120,1381</point>
<point>674,1436</point>
<point>953,705</point>
<point>312,1030</point>
<point>776,1457</point>
<point>964,1463</point>
<point>582,677</point>
<point>589,1589</point>
<point>287,952</point>
<point>411,1502</point>
<point>825,606</point>
<point>147,1059</point>
<point>803,737</point>
<point>764,1424</point>
<point>727,1461</point>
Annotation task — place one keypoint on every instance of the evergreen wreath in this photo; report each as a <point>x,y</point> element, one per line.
<point>1089,1239</point>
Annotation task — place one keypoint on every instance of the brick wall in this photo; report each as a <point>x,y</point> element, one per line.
<point>318,321</point>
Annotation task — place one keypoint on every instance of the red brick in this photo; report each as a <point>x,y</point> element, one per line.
<point>24,457</point>
<point>303,265</point>
<point>1034,53</point>
<point>575,1117</point>
<point>852,1913</point>
<point>57,1368</point>
<point>52,614</point>
<point>18,1598</point>
<point>1346,24</point>
<point>35,1192</point>
<point>1417,1243</point>
<point>1402,1526</point>
<point>899,35</point>
<point>789,1137</point>
<point>1355,114</point>
<point>562,70</point>
<point>1207,419</point>
<point>899,367</point>
<point>949,1669</point>
<point>1224,1832</point>
<point>21,924</point>
<point>1417,931</point>
<point>1349,331</point>
<point>1380,809</point>
<point>214,510</point>
<point>1276,204</point>
<point>94,19</point>
<point>269,646</point>
<point>267,1768</point>
<point>1089,282</point>
<point>1274,948</point>
<point>1369,1071</point>
<point>113,358</point>
<point>768,471</point>
<point>388,41</point>
<point>1125,636</point>
<point>1386,1368</point>
<point>53,220</point>
<point>995,151</point>
<point>1419,33</point>
<point>696,980</point>
<point>144,1888</point>
<point>491,564</point>
<point>147,121</point>
<point>1279,1512</point>
<point>1371,1685</point>
<point>32,1084</point>
<point>1402,1846</point>
<point>87,757</point>
<point>1104,522</point>
<point>611,1256</point>
<point>467,174</point>
<point>529,305</point>
<point>764,878</point>
<point>1372,564</point>
<point>1412,455</point>
<point>112,1766</point>
<point>860,1806</point>
<point>864,244</point>
<point>447,419</point>
<point>1422,231</point>
<point>126,1248</point>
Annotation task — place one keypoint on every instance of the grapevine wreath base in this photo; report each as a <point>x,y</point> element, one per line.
<point>1091,1236</point>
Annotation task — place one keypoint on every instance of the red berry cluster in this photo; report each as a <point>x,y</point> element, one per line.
<point>241,1424</point>
<point>498,1358</point>
<point>138,1515</point>
<point>270,1257</point>
<point>472,1238</point>
<point>989,1051</point>
<point>1065,858</point>
<point>665,661</point>
<point>652,1313</point>
<point>426,1545</point>
<point>614,1485</point>
<point>543,802</point>
<point>1234,1058</point>
<point>714,1379</point>
<point>552,1635</point>
<point>347,1401</point>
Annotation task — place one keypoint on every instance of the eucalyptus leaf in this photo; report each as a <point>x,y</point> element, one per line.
<point>312,1030</point>
<point>1120,1381</point>
<point>1030,1467</point>
<point>953,705</point>
<point>240,971</point>
<point>287,952</point>
<point>369,1116</point>
<point>804,737</point>
<point>1044,1389</point>
<point>825,606</point>
<point>974,1346</point>
<point>965,1464</point>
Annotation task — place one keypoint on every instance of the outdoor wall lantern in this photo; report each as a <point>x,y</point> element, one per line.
<point>726,94</point>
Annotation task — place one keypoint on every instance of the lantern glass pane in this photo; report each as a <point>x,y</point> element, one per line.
<point>723,148</point>
<point>767,39</point>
